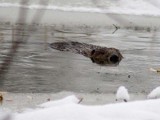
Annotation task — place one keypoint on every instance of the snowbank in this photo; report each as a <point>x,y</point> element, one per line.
<point>71,110</point>
<point>86,12</point>
<point>131,7</point>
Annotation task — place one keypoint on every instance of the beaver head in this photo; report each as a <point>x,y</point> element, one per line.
<point>106,56</point>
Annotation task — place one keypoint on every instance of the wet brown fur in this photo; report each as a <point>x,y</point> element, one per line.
<point>98,54</point>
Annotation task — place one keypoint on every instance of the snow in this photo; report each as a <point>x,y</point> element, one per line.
<point>132,7</point>
<point>155,93</point>
<point>5,116</point>
<point>68,109</point>
<point>66,100</point>
<point>122,94</point>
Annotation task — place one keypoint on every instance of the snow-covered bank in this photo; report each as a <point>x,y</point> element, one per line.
<point>70,109</point>
<point>83,19</point>
<point>122,13</point>
<point>16,102</point>
<point>130,7</point>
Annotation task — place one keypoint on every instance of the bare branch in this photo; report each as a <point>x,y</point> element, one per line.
<point>20,39</point>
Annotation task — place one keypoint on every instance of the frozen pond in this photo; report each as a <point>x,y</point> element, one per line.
<point>37,68</point>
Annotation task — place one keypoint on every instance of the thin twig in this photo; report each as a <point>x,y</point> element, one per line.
<point>116,28</point>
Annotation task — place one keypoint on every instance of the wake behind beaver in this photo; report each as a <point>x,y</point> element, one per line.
<point>97,54</point>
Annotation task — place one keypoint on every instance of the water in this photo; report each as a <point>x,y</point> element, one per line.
<point>37,68</point>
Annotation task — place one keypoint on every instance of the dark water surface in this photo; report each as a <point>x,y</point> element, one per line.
<point>38,68</point>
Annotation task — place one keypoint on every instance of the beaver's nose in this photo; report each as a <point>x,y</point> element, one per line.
<point>114,59</point>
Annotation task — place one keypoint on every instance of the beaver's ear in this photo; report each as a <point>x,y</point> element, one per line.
<point>92,60</point>
<point>92,52</point>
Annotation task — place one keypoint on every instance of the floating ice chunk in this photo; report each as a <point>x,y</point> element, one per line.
<point>155,93</point>
<point>122,94</point>
<point>66,100</point>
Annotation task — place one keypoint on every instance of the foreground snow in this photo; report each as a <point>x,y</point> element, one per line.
<point>70,109</point>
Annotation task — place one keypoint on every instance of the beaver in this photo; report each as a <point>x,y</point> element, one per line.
<point>97,54</point>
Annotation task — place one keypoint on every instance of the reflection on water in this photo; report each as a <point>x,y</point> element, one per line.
<point>38,68</point>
